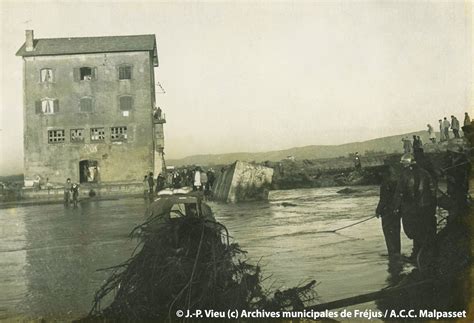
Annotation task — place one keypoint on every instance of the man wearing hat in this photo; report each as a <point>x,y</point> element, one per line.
<point>415,199</point>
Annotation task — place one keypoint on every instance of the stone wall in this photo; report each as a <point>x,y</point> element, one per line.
<point>118,189</point>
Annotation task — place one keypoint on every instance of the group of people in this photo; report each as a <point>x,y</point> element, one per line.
<point>415,146</point>
<point>196,178</point>
<point>409,197</point>
<point>71,193</point>
<point>445,125</point>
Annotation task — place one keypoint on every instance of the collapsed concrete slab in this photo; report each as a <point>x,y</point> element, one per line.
<point>242,181</point>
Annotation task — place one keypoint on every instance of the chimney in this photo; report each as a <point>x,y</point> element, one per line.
<point>29,43</point>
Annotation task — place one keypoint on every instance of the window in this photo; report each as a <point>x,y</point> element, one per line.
<point>47,106</point>
<point>46,75</point>
<point>85,73</point>
<point>55,136</point>
<point>126,103</point>
<point>118,133</point>
<point>86,105</point>
<point>97,134</point>
<point>77,135</point>
<point>125,72</point>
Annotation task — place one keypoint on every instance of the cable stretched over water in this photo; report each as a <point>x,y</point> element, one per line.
<point>347,226</point>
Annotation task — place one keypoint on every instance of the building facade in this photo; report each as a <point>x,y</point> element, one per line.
<point>88,109</point>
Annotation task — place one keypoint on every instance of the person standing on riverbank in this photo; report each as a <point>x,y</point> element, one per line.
<point>441,131</point>
<point>75,194</point>
<point>197,185</point>
<point>146,190</point>
<point>205,183</point>
<point>67,192</point>
<point>455,126</point>
<point>431,133</point>
<point>151,184</point>
<point>357,163</point>
<point>391,225</point>
<point>446,126</point>
<point>467,119</point>
<point>407,146</point>
<point>160,182</point>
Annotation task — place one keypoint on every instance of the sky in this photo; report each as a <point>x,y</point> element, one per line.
<point>266,75</point>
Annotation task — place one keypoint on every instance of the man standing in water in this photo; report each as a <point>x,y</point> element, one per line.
<point>390,219</point>
<point>415,199</point>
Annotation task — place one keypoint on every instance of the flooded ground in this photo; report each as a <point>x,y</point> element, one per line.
<point>49,255</point>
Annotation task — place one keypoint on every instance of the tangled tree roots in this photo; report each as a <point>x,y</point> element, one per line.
<point>188,263</point>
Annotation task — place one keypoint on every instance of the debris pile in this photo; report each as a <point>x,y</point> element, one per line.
<point>187,262</point>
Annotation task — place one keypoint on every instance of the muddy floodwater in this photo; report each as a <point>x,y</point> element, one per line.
<point>49,255</point>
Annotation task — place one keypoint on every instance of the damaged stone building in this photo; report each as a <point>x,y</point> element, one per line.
<point>89,109</point>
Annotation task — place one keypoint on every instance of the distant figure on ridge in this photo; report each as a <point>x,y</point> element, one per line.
<point>441,131</point>
<point>357,163</point>
<point>431,133</point>
<point>467,119</point>
<point>407,146</point>
<point>446,126</point>
<point>455,126</point>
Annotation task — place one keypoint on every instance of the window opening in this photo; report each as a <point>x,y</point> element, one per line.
<point>125,73</point>
<point>46,75</point>
<point>85,73</point>
<point>89,171</point>
<point>119,133</point>
<point>77,135</point>
<point>55,136</point>
<point>97,134</point>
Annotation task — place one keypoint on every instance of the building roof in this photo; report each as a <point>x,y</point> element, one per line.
<point>89,45</point>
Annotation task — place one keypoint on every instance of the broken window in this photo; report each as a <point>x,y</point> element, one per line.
<point>86,105</point>
<point>85,73</point>
<point>47,106</point>
<point>126,103</point>
<point>118,133</point>
<point>125,72</point>
<point>46,75</point>
<point>55,136</point>
<point>97,134</point>
<point>77,135</point>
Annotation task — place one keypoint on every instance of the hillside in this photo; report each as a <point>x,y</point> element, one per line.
<point>388,144</point>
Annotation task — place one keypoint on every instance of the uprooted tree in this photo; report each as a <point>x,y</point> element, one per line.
<point>187,262</point>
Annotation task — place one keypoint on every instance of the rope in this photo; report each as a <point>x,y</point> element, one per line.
<point>347,226</point>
